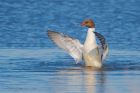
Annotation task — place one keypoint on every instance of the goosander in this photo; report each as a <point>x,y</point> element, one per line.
<point>92,53</point>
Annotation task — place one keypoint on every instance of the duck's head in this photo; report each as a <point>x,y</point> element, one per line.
<point>88,23</point>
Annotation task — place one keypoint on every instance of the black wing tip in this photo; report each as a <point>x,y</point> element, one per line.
<point>101,39</point>
<point>49,32</point>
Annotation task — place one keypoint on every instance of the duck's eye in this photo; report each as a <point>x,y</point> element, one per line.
<point>86,22</point>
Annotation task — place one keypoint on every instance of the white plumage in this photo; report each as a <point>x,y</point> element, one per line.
<point>90,52</point>
<point>69,44</point>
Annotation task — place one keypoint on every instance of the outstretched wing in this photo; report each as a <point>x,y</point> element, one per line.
<point>69,44</point>
<point>104,46</point>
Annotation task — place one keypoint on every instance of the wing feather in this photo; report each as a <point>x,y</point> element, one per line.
<point>104,46</point>
<point>69,44</point>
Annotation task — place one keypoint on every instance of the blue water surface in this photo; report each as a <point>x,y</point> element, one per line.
<point>31,63</point>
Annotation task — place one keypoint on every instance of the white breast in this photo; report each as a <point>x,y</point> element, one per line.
<point>90,42</point>
<point>91,52</point>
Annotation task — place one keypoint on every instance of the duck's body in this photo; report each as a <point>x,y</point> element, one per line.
<point>90,52</point>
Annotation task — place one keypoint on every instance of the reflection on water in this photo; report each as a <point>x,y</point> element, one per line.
<point>37,70</point>
<point>91,80</point>
<point>85,78</point>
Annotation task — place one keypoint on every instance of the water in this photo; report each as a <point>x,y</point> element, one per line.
<point>30,62</point>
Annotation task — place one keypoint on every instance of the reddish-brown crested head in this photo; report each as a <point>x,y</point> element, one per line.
<point>88,23</point>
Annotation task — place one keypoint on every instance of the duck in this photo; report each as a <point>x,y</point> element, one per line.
<point>91,52</point>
